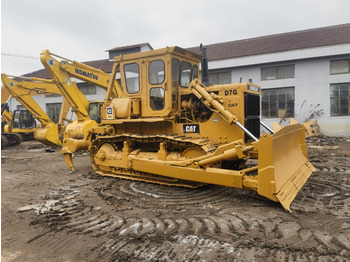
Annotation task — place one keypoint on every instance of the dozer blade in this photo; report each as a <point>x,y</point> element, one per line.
<point>48,135</point>
<point>283,164</point>
<point>311,128</point>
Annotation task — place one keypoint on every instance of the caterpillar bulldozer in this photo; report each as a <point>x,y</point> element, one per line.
<point>23,88</point>
<point>169,128</point>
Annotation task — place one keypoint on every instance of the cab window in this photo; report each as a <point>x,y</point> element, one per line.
<point>175,70</point>
<point>194,72</point>
<point>185,74</point>
<point>156,72</point>
<point>157,98</point>
<point>94,111</point>
<point>132,78</point>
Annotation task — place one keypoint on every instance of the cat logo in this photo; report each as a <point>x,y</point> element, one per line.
<point>110,114</point>
<point>191,128</point>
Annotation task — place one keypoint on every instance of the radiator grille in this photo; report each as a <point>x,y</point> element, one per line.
<point>252,115</point>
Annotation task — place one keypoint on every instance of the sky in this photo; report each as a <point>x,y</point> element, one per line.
<point>83,30</point>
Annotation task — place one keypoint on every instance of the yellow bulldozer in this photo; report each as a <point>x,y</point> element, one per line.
<point>169,128</point>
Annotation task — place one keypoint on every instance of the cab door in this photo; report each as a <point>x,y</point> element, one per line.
<point>157,87</point>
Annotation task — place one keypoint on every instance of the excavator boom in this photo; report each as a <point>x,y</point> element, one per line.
<point>90,75</point>
<point>48,131</point>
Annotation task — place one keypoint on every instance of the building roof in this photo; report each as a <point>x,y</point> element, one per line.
<point>129,47</point>
<point>332,35</point>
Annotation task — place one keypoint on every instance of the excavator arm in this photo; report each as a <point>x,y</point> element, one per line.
<point>5,97</point>
<point>68,88</point>
<point>48,132</point>
<point>90,75</point>
<point>76,133</point>
<point>86,73</point>
<point>6,116</point>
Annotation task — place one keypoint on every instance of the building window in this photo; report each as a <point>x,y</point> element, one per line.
<point>277,72</point>
<point>340,99</point>
<point>340,67</point>
<point>52,95</point>
<point>53,111</point>
<point>220,78</point>
<point>277,102</point>
<point>20,107</point>
<point>87,89</point>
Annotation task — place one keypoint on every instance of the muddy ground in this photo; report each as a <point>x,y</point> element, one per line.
<point>50,214</point>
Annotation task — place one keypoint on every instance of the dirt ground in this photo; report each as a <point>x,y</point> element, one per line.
<point>51,214</point>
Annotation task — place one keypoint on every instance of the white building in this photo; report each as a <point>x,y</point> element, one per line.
<point>304,75</point>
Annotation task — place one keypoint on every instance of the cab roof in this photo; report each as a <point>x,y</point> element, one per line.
<point>174,50</point>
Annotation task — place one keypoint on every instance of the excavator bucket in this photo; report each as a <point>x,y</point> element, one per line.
<point>48,135</point>
<point>283,164</point>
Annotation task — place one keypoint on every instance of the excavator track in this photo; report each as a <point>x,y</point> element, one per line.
<point>4,142</point>
<point>12,139</point>
<point>180,142</point>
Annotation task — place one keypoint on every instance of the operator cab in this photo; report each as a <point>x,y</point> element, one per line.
<point>23,119</point>
<point>153,81</point>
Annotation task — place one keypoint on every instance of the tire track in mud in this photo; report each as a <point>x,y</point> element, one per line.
<point>201,222</point>
<point>203,197</point>
<point>327,190</point>
<point>194,248</point>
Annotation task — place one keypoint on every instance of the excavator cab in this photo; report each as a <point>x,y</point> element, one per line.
<point>23,119</point>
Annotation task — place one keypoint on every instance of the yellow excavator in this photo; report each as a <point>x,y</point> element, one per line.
<point>15,126</point>
<point>76,132</point>
<point>23,88</point>
<point>169,128</point>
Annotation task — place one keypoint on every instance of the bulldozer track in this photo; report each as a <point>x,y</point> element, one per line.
<point>173,139</point>
<point>180,141</point>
